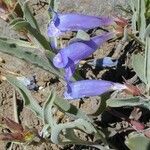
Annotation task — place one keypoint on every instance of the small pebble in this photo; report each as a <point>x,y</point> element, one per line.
<point>41,87</point>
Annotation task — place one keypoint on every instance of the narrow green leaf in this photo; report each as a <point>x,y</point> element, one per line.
<point>147,5</point>
<point>16,20</point>
<point>130,102</point>
<point>138,66</point>
<point>70,136</point>
<point>19,42</point>
<point>147,60</point>
<point>138,17</point>
<point>29,101</point>
<point>53,7</point>
<point>40,38</point>
<point>79,124</point>
<point>142,20</point>
<point>134,16</point>
<point>138,11</point>
<point>28,14</point>
<point>101,136</point>
<point>53,4</point>
<point>147,31</point>
<point>70,109</point>
<point>102,105</point>
<point>35,33</point>
<point>46,131</point>
<point>29,56</point>
<point>82,35</point>
<point>133,101</point>
<point>47,109</point>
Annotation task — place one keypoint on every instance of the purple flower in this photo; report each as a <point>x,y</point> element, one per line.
<point>86,88</point>
<point>73,53</point>
<point>102,62</point>
<point>80,50</point>
<point>73,22</point>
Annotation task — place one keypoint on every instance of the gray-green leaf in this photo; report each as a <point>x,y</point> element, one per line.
<point>29,101</point>
<point>28,14</point>
<point>22,53</point>
<point>131,101</point>
<point>138,66</point>
<point>137,141</point>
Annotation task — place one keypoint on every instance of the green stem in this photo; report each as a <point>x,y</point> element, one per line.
<point>136,39</point>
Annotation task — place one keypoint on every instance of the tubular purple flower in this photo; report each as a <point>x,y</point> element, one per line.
<point>73,22</point>
<point>80,50</point>
<point>86,88</point>
<point>72,54</point>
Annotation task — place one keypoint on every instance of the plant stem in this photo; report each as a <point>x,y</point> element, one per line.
<point>118,50</point>
<point>136,39</point>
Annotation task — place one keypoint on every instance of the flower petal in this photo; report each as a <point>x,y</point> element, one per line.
<point>80,50</point>
<point>69,70</point>
<point>60,60</point>
<point>73,22</point>
<point>109,62</point>
<point>86,88</point>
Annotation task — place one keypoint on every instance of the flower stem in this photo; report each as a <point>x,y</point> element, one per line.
<point>136,39</point>
<point>120,46</point>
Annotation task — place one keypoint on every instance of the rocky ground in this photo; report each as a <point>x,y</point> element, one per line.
<point>45,79</point>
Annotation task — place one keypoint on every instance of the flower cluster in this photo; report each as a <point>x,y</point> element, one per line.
<point>68,57</point>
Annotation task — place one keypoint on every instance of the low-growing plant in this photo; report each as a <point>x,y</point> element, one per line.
<point>64,64</point>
